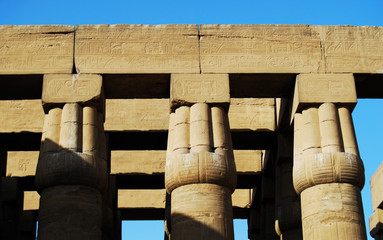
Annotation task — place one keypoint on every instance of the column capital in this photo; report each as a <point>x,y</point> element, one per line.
<point>313,89</point>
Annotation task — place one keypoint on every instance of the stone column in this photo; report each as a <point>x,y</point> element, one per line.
<point>287,203</point>
<point>71,172</point>
<point>328,172</point>
<point>200,171</point>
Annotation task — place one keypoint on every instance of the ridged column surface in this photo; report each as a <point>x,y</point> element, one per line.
<point>328,173</point>
<point>71,175</point>
<point>200,173</point>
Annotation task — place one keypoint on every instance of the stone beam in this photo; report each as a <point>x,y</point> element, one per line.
<point>290,49</point>
<point>23,163</point>
<point>139,115</point>
<point>133,199</point>
<point>376,183</point>
<point>34,49</point>
<point>137,49</point>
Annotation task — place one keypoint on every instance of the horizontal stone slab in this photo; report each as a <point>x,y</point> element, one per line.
<point>23,163</point>
<point>156,198</point>
<point>376,222</point>
<point>259,49</point>
<point>256,114</point>
<point>137,49</point>
<point>136,114</point>
<point>36,49</point>
<point>142,198</point>
<point>21,115</point>
<point>199,88</point>
<point>291,49</point>
<point>376,183</point>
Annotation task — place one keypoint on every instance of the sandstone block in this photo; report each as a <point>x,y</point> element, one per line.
<point>140,162</point>
<point>376,182</point>
<point>141,198</point>
<point>23,163</point>
<point>136,114</point>
<point>311,89</point>
<point>137,49</point>
<point>241,198</point>
<point>31,200</point>
<point>256,114</point>
<point>376,222</point>
<point>21,115</point>
<point>197,88</point>
<point>252,114</point>
<point>259,49</point>
<point>352,49</point>
<point>71,88</point>
<point>36,49</point>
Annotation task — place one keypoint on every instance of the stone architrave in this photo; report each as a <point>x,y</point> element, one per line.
<point>33,49</point>
<point>328,172</point>
<point>137,49</point>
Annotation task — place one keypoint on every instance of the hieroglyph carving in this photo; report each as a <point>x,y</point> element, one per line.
<point>137,49</point>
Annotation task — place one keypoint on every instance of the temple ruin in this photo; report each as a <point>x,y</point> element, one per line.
<point>195,125</point>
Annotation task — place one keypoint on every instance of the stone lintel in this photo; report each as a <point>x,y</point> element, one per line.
<point>255,114</point>
<point>141,198</point>
<point>31,200</point>
<point>186,89</point>
<point>315,89</point>
<point>127,48</point>
<point>376,222</point>
<point>36,49</point>
<point>376,183</point>
<point>71,88</point>
<point>23,163</point>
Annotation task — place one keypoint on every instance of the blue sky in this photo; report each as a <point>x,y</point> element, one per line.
<point>367,115</point>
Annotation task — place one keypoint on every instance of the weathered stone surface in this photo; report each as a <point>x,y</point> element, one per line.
<point>241,198</point>
<point>376,183</point>
<point>252,113</point>
<point>147,162</point>
<point>70,212</point>
<point>311,89</point>
<point>259,49</point>
<point>326,204</point>
<point>197,88</point>
<point>290,49</point>
<point>31,200</point>
<point>255,114</point>
<point>376,222</point>
<point>23,163</point>
<point>136,114</point>
<point>352,49</point>
<point>210,216</point>
<point>133,198</point>
<point>21,115</point>
<point>36,49</point>
<point>70,88</point>
<point>137,49</point>
<point>141,198</point>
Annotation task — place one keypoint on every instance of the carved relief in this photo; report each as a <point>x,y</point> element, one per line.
<point>137,48</point>
<point>71,88</point>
